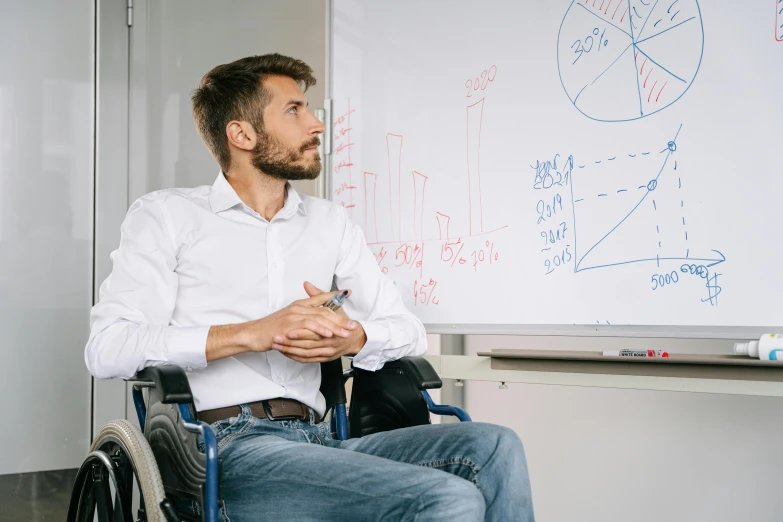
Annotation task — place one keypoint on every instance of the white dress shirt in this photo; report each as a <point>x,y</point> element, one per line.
<point>192,258</point>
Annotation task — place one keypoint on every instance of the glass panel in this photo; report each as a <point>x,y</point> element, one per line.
<point>46,219</point>
<point>184,40</point>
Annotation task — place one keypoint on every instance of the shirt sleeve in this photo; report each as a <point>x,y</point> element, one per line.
<point>130,325</point>
<point>392,330</point>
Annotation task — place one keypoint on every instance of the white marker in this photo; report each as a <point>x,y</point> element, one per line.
<point>636,353</point>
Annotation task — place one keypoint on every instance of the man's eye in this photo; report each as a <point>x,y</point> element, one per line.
<point>292,110</point>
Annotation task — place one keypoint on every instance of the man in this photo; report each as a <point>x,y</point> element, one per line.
<point>225,282</point>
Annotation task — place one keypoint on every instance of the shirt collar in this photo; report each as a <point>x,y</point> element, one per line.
<point>293,202</point>
<point>223,197</point>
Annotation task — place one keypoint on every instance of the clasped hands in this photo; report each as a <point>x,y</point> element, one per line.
<point>307,332</point>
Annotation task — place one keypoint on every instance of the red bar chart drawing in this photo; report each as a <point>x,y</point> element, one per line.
<point>394,156</point>
<point>475,113</point>
<point>402,216</point>
<point>419,181</point>
<point>370,219</point>
<point>443,226</point>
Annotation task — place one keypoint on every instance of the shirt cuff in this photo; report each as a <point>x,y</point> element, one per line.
<point>187,346</point>
<point>370,356</point>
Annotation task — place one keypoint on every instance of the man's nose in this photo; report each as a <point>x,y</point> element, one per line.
<point>316,127</point>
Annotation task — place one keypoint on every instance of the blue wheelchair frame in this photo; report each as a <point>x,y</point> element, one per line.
<point>339,425</point>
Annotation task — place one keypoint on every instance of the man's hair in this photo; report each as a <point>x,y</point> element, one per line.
<point>235,91</point>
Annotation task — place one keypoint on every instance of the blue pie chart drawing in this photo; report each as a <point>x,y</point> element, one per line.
<point>621,60</point>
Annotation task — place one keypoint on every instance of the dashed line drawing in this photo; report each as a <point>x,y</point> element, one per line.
<point>606,214</point>
<point>779,20</point>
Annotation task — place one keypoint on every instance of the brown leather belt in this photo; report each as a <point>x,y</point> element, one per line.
<point>272,409</point>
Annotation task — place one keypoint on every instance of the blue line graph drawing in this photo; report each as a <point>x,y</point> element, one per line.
<point>632,210</point>
<point>779,21</point>
<point>621,60</point>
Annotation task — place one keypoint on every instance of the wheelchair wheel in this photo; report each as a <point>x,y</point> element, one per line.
<point>120,457</point>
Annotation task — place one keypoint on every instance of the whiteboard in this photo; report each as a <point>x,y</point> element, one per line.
<point>594,162</point>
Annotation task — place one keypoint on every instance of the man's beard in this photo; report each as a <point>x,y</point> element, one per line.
<point>275,159</point>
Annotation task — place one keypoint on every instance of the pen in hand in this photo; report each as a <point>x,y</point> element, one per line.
<point>336,301</point>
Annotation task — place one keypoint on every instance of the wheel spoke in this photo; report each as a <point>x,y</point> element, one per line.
<point>100,479</point>
<point>124,474</point>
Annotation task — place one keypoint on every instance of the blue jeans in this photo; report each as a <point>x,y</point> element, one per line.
<point>295,470</point>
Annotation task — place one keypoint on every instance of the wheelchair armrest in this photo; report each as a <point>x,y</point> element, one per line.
<point>419,370</point>
<point>170,381</point>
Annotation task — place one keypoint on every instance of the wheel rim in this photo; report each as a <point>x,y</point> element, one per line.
<point>126,471</point>
<point>110,457</point>
<point>92,490</point>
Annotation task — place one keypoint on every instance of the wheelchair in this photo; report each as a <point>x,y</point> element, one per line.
<point>176,481</point>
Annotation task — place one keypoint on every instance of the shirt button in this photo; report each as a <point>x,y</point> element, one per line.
<point>274,265</point>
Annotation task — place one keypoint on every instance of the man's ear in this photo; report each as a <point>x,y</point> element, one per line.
<point>241,135</point>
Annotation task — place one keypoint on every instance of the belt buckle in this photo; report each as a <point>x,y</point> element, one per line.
<point>268,411</point>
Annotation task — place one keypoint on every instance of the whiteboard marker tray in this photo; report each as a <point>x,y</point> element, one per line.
<point>699,366</point>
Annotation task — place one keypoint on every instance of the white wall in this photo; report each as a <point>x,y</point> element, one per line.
<point>598,455</point>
